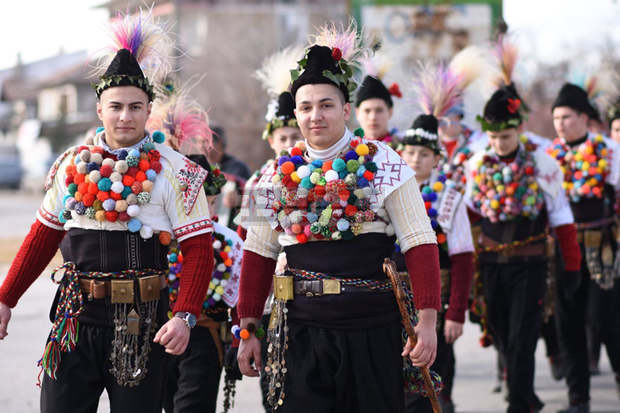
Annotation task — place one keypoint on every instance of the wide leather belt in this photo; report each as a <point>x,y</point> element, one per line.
<point>527,250</point>
<point>98,289</point>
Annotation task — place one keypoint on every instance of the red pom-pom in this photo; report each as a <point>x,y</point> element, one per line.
<point>394,90</point>
<point>154,155</point>
<point>296,151</point>
<point>336,54</point>
<point>136,187</point>
<point>529,170</point>
<point>83,188</point>
<point>156,166</point>
<point>116,196</point>
<point>88,199</point>
<point>132,171</point>
<point>111,216</point>
<point>302,238</point>
<point>93,188</point>
<point>102,196</point>
<point>144,165</point>
<point>344,195</point>
<point>128,180</point>
<point>319,190</point>
<point>123,216</point>
<point>369,176</point>
<point>78,179</point>
<point>96,149</point>
<point>68,180</point>
<point>350,210</point>
<point>140,176</point>
<point>105,171</point>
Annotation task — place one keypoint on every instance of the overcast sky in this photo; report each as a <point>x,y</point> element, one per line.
<point>547,30</point>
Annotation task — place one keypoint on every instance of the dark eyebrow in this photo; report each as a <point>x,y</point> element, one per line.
<point>307,102</point>
<point>120,103</point>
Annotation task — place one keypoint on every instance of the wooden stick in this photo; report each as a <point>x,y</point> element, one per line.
<point>389,267</point>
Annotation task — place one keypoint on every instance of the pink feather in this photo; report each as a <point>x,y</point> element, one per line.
<point>437,89</point>
<point>507,54</point>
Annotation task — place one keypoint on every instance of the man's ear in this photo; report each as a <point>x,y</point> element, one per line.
<point>390,112</point>
<point>99,109</point>
<point>520,128</point>
<point>347,111</point>
<point>149,107</point>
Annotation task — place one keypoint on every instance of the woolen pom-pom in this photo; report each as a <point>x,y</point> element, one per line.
<point>132,199</point>
<point>121,166</point>
<point>81,168</point>
<point>133,210</point>
<point>146,232</point>
<point>104,184</point>
<point>100,216</point>
<point>147,186</point>
<point>96,158</point>
<point>80,209</point>
<point>134,225</point>
<point>144,198</point>
<point>90,212</point>
<point>123,217</point>
<point>109,204</point>
<point>116,177</point>
<point>136,187</point>
<point>165,238</point>
<point>106,170</point>
<point>132,161</point>
<point>111,216</point>
<point>85,155</point>
<point>117,187</point>
<point>151,175</point>
<point>158,136</point>
<point>120,206</point>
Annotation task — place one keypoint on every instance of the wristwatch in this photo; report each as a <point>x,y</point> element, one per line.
<point>189,318</point>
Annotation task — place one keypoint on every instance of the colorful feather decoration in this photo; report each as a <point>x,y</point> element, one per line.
<point>473,63</point>
<point>185,123</point>
<point>376,65</point>
<point>346,39</point>
<point>148,41</point>
<point>275,73</point>
<point>506,53</point>
<point>437,89</point>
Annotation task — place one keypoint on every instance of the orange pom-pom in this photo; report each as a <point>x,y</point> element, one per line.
<point>128,180</point>
<point>441,238</point>
<point>244,334</point>
<point>88,199</point>
<point>144,165</point>
<point>296,229</point>
<point>327,166</point>
<point>140,176</point>
<point>287,168</point>
<point>77,196</point>
<point>93,189</point>
<point>102,196</point>
<point>228,262</point>
<point>78,179</point>
<point>165,238</point>
<point>369,176</point>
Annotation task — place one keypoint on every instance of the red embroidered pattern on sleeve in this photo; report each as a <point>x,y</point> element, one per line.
<point>49,217</point>
<point>199,226</point>
<point>191,178</point>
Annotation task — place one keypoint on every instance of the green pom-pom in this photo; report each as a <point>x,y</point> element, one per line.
<point>260,333</point>
<point>352,165</point>
<point>132,161</point>
<point>158,136</point>
<point>371,166</point>
<point>72,189</point>
<point>359,132</point>
<point>144,198</point>
<point>148,146</point>
<point>315,228</point>
<point>90,212</point>
<point>338,165</point>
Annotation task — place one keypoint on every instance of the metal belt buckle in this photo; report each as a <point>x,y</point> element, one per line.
<point>122,291</point>
<point>283,287</point>
<point>96,289</point>
<point>331,287</point>
<point>149,288</point>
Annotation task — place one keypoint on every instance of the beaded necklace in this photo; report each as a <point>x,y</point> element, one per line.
<point>504,190</point>
<point>107,187</point>
<point>584,167</point>
<point>222,271</point>
<point>325,199</point>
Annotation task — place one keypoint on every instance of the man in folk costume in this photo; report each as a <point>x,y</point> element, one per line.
<point>590,167</point>
<point>334,203</point>
<point>192,378</point>
<point>281,131</point>
<point>374,105</point>
<point>517,191</point>
<point>421,150</point>
<point>115,204</point>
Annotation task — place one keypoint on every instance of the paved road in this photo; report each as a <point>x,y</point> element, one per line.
<point>29,327</point>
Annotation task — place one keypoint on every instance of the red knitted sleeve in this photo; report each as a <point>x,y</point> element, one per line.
<point>461,273</point>
<point>33,256</point>
<point>242,232</point>
<point>256,279</point>
<point>423,267</point>
<point>569,247</point>
<point>196,273</point>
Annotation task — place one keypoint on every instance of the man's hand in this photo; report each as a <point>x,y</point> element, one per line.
<point>452,330</point>
<point>424,352</point>
<point>174,336</point>
<point>5,316</point>
<point>249,351</point>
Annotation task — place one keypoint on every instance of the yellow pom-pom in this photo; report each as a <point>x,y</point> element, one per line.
<point>598,138</point>
<point>219,289</point>
<point>602,163</point>
<point>362,149</point>
<point>578,157</point>
<point>100,216</point>
<point>295,178</point>
<point>437,186</point>
<point>275,180</point>
<point>500,188</point>
<point>534,186</point>
<point>585,166</point>
<point>495,204</point>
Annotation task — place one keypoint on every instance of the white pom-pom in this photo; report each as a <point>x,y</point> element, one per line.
<point>117,187</point>
<point>146,232</point>
<point>133,210</point>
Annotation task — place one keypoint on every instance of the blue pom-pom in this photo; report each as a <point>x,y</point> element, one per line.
<point>109,204</point>
<point>61,217</point>
<point>135,153</point>
<point>92,166</point>
<point>99,129</point>
<point>151,175</point>
<point>236,331</point>
<point>306,183</point>
<point>361,170</point>
<point>425,197</point>
<point>351,155</point>
<point>126,192</point>
<point>283,159</point>
<point>158,136</point>
<point>80,208</point>
<point>317,163</point>
<point>104,184</point>
<point>432,196</point>
<point>339,165</point>
<point>297,160</point>
<point>362,182</point>
<point>432,212</point>
<point>434,224</point>
<point>312,217</point>
<point>148,146</point>
<point>441,178</point>
<point>134,225</point>
<point>172,257</point>
<point>122,155</point>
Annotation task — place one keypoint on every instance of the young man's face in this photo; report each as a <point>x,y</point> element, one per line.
<point>373,116</point>
<point>569,124</point>
<point>615,130</point>
<point>321,114</point>
<point>123,110</point>
<point>284,138</point>
<point>421,159</point>
<point>504,142</point>
<point>450,127</point>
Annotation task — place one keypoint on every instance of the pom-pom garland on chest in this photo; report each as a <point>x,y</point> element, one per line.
<point>106,187</point>
<point>325,200</point>
<point>431,195</point>
<point>585,167</point>
<point>504,190</point>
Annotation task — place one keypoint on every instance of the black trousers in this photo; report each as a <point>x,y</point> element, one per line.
<point>444,365</point>
<point>83,375</point>
<point>192,379</point>
<point>514,294</point>
<point>571,318</point>
<point>343,371</point>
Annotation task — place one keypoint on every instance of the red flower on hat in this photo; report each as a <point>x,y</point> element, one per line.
<point>336,54</point>
<point>395,90</point>
<point>514,105</point>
